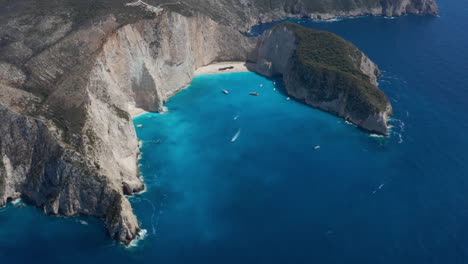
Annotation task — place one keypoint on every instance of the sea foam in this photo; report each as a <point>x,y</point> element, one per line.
<point>141,236</point>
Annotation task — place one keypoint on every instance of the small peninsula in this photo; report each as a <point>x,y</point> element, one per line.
<point>326,72</point>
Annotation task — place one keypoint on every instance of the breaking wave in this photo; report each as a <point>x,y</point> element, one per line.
<point>141,236</point>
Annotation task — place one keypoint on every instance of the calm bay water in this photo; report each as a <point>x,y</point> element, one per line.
<point>269,195</point>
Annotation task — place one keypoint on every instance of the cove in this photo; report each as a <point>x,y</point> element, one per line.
<point>270,196</point>
<point>275,193</point>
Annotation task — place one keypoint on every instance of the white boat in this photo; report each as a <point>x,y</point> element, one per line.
<point>317,147</point>
<point>288,98</point>
<point>225,91</point>
<point>139,125</point>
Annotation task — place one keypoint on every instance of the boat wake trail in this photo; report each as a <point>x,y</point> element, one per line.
<point>153,219</point>
<point>399,126</point>
<point>378,188</point>
<point>153,214</point>
<point>234,138</point>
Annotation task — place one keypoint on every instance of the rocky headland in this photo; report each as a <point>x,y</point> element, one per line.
<point>326,72</point>
<point>71,71</point>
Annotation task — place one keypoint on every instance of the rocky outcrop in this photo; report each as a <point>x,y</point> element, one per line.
<point>326,72</point>
<point>35,166</point>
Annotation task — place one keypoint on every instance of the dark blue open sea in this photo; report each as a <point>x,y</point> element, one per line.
<point>243,179</point>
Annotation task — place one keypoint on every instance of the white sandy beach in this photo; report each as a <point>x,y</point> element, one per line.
<point>239,66</point>
<point>134,112</point>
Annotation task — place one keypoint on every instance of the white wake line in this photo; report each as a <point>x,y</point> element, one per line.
<point>153,228</point>
<point>378,188</point>
<point>234,138</point>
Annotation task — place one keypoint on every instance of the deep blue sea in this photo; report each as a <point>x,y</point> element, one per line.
<point>243,179</point>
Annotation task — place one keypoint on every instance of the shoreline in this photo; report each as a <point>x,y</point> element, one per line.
<point>135,112</point>
<point>210,69</point>
<point>213,68</point>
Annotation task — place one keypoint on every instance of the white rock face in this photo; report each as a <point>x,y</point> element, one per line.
<point>78,155</point>
<point>370,69</point>
<point>140,66</point>
<point>275,51</point>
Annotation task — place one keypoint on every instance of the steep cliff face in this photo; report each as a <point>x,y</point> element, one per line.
<point>140,66</point>
<point>38,168</point>
<point>71,147</point>
<point>326,72</point>
<point>152,60</point>
<point>44,83</point>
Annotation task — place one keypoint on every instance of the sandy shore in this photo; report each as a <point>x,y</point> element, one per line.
<point>239,66</point>
<point>134,112</point>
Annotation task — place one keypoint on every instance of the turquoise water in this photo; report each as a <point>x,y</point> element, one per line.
<point>271,196</point>
<point>242,200</point>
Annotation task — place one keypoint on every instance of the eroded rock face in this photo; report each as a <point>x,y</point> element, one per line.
<point>350,94</point>
<point>35,166</point>
<point>72,148</point>
<point>275,51</point>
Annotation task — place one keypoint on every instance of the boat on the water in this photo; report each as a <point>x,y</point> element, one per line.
<point>254,93</point>
<point>225,92</point>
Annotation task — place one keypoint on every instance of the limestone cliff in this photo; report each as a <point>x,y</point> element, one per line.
<point>71,147</point>
<point>326,72</point>
<point>40,169</point>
